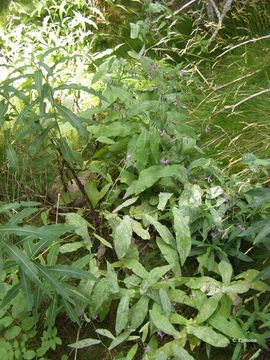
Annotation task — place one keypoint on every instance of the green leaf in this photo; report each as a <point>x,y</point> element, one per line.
<point>12,158</point>
<point>3,110</point>
<point>136,267</point>
<point>183,236</point>
<point>156,273</point>
<point>26,265</point>
<point>148,177</point>
<point>106,333</point>
<point>80,226</point>
<point>162,323</point>
<point>12,332</point>
<point>10,295</point>
<point>170,255</point>
<point>74,120</point>
<point>163,231</point>
<point>84,343</point>
<point>103,241</point>
<point>139,230</point>
<point>165,301</point>
<point>29,355</point>
<point>163,198</point>
<point>26,288</point>
<point>126,204</point>
<point>81,88</point>
<point>208,308</point>
<point>121,338</point>
<point>228,327</point>
<point>70,271</point>
<point>139,312</point>
<point>132,352</point>
<point>208,335</point>
<point>225,269</point>
<point>141,150</point>
<point>112,279</point>
<point>122,314</point>
<point>122,237</point>
<point>263,234</point>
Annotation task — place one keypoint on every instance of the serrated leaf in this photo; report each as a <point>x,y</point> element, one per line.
<point>122,237</point>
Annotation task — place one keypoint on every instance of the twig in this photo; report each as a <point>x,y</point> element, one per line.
<point>243,43</point>
<point>77,339</point>
<point>221,16</point>
<point>57,207</point>
<point>183,7</point>
<point>234,106</point>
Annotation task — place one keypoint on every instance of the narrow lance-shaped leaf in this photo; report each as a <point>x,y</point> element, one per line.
<point>122,314</point>
<point>122,237</point>
<point>183,236</point>
<point>74,120</point>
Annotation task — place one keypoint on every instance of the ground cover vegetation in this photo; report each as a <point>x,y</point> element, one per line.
<point>134,154</point>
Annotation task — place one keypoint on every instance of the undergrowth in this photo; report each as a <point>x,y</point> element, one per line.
<point>134,190</point>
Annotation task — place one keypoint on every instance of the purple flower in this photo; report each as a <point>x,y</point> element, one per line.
<point>174,304</point>
<point>209,180</point>
<point>241,227</point>
<point>221,230</point>
<point>213,234</point>
<point>95,317</point>
<point>160,334</point>
<point>147,349</point>
<point>207,129</point>
<point>154,67</point>
<point>165,277</point>
<point>164,161</point>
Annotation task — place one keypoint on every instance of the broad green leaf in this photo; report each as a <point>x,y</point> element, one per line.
<point>165,301</point>
<point>139,312</point>
<point>208,308</point>
<point>100,294</point>
<point>122,237</point>
<point>112,279</point>
<point>151,175</point>
<point>237,287</point>
<point>156,273</point>
<point>122,314</point>
<point>225,269</point>
<point>182,233</point>
<point>263,235</point>
<point>214,191</point>
<point>170,255</point>
<point>178,319</point>
<point>84,343</point>
<point>136,267</point>
<point>163,231</point>
<point>141,150</point>
<point>163,199</point>
<point>12,332</point>
<point>228,327</point>
<point>162,323</point>
<point>80,226</point>
<point>208,335</point>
